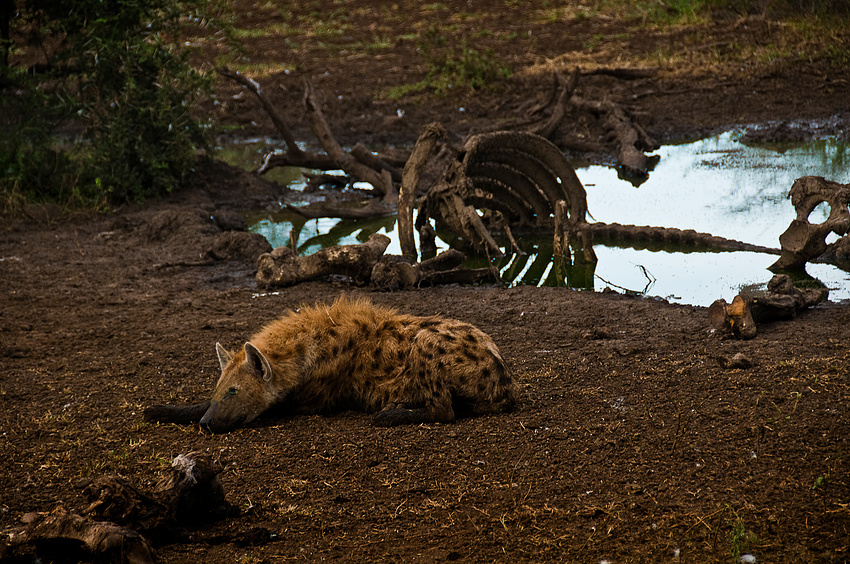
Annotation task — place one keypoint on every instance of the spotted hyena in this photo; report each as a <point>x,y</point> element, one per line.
<point>354,355</point>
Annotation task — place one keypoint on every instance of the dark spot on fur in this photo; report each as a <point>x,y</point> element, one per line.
<point>485,373</point>
<point>335,350</point>
<point>429,355</point>
<point>299,349</point>
<point>421,374</point>
<point>448,337</point>
<point>504,379</point>
<point>470,337</point>
<point>428,324</point>
<point>350,344</point>
<point>441,350</point>
<point>332,332</point>
<point>441,365</point>
<point>376,365</point>
<point>378,352</point>
<point>471,355</point>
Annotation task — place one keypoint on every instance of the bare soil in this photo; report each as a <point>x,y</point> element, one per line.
<point>632,442</point>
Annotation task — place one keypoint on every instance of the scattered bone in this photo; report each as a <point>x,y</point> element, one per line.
<point>781,301</point>
<point>804,241</point>
<point>121,523</point>
<point>737,360</point>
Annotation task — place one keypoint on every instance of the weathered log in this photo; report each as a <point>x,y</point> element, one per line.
<point>282,267</point>
<point>375,162</point>
<point>381,181</point>
<point>410,179</point>
<point>631,139</point>
<point>804,241</point>
<point>559,110</point>
<point>294,155</point>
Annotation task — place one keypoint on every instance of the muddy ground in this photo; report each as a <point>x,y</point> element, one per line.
<point>632,442</point>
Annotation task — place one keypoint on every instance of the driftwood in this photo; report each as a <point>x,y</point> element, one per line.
<point>362,165</point>
<point>380,180</point>
<point>804,241</point>
<point>631,139</point>
<point>121,523</point>
<point>396,273</point>
<point>283,267</point>
<point>781,301</point>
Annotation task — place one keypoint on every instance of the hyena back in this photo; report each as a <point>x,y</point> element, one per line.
<point>355,355</point>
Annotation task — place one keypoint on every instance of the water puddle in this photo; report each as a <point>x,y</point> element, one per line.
<point>715,185</point>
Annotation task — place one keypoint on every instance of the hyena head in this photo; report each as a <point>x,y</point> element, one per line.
<point>244,390</point>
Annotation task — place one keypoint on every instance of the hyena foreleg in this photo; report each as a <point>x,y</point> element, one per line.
<point>183,415</point>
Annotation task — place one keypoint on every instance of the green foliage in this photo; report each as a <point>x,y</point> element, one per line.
<point>740,538</point>
<point>111,73</point>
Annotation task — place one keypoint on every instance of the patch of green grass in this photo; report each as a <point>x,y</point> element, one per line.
<point>740,539</point>
<point>453,69</point>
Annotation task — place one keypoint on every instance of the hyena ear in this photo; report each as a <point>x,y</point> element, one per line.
<point>257,362</point>
<point>224,355</point>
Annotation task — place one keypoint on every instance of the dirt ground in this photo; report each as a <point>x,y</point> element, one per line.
<point>632,442</point>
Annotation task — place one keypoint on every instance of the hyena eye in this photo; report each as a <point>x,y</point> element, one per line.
<point>231,392</point>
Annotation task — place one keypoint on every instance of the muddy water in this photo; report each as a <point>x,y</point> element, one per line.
<point>715,185</point>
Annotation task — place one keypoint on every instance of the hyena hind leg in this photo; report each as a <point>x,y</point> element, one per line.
<point>392,415</point>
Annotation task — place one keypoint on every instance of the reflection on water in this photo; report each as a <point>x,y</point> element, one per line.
<point>715,185</point>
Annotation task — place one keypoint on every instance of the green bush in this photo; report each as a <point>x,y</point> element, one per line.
<point>113,78</point>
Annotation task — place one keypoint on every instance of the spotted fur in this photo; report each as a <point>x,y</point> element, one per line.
<point>354,355</point>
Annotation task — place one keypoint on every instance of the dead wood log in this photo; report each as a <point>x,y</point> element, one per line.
<point>395,272</point>
<point>375,162</point>
<point>804,241</point>
<point>294,155</point>
<point>282,267</point>
<point>631,139</point>
<point>410,179</point>
<point>559,110</point>
<point>381,181</point>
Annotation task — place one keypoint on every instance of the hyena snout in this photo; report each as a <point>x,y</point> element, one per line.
<point>214,421</point>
